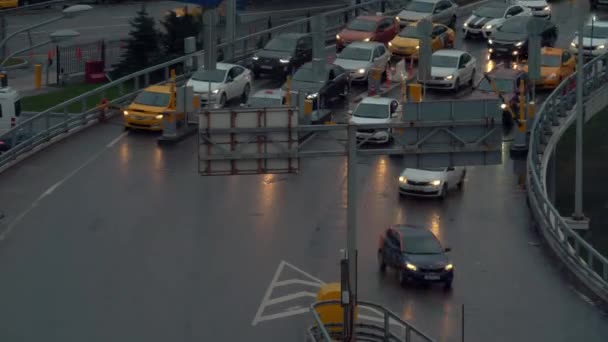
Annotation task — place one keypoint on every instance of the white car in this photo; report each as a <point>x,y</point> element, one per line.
<point>450,69</point>
<point>435,182</point>
<point>488,17</point>
<point>217,87</point>
<point>438,11</point>
<point>595,39</point>
<point>359,58</point>
<point>375,110</point>
<point>540,8</point>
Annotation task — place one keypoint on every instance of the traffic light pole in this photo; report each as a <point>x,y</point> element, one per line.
<point>351,229</point>
<point>578,175</point>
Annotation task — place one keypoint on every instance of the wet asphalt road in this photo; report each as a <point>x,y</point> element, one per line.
<point>109,238</point>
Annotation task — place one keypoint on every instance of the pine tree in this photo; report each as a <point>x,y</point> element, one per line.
<point>176,30</point>
<point>142,48</point>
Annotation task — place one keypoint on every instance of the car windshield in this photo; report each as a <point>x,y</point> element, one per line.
<point>151,98</point>
<point>444,61</point>
<point>419,6</point>
<point>513,26</point>
<point>504,85</point>
<point>216,76</point>
<point>281,44</point>
<point>489,12</point>
<point>260,102</point>
<point>371,110</point>
<point>421,245</point>
<point>592,31</point>
<point>306,75</point>
<point>362,25</point>
<point>356,54</point>
<point>550,60</point>
<point>409,32</point>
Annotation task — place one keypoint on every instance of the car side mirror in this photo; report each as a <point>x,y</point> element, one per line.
<point>229,79</point>
<point>447,249</point>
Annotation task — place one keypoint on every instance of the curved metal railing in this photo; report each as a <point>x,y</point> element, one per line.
<point>558,111</point>
<point>389,327</point>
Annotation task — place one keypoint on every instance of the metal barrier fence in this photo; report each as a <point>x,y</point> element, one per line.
<point>388,328</point>
<point>587,262</point>
<point>72,59</point>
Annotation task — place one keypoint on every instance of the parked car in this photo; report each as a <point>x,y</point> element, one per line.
<point>431,182</point>
<point>595,38</point>
<point>324,89</point>
<point>407,44</point>
<point>485,19</point>
<point>375,110</point>
<point>501,83</point>
<point>217,87</point>
<point>555,66</point>
<point>438,11</point>
<point>360,57</point>
<point>540,8</point>
<point>367,28</point>
<point>415,254</point>
<point>511,38</point>
<point>283,55</point>
<point>450,69</point>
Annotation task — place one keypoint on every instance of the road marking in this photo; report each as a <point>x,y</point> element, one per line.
<point>11,226</point>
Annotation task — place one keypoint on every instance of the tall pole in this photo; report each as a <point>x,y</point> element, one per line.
<point>351,223</point>
<point>578,176</point>
<point>209,39</point>
<point>230,29</point>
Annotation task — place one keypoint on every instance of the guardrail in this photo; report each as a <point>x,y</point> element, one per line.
<point>43,128</point>
<point>385,330</point>
<point>553,117</point>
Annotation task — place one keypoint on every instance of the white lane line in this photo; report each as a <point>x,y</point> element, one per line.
<point>296,281</point>
<point>283,314</point>
<point>266,297</point>
<point>289,297</point>
<point>11,226</point>
<point>305,273</point>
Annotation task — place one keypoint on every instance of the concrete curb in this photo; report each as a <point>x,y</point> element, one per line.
<point>185,133</point>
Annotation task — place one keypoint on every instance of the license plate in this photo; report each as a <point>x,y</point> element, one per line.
<point>266,67</point>
<point>137,117</point>
<point>501,49</point>
<point>431,277</point>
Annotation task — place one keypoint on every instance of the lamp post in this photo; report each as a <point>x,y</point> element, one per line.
<point>55,37</point>
<point>68,12</point>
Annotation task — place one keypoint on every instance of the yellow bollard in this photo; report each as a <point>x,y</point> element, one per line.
<point>522,103</point>
<point>531,109</point>
<point>331,314</point>
<point>196,102</point>
<point>415,92</point>
<point>376,74</point>
<point>308,107</point>
<point>38,75</point>
<point>288,91</point>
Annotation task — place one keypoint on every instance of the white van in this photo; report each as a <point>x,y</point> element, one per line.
<point>376,110</point>
<point>10,108</point>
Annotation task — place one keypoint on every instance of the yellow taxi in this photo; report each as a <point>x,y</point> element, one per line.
<point>406,43</point>
<point>146,110</point>
<point>555,66</point>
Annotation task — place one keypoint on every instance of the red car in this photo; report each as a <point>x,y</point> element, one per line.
<point>365,28</point>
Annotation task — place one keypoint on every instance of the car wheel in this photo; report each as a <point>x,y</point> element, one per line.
<point>457,84</point>
<point>467,36</point>
<point>223,100</point>
<point>472,80</point>
<point>381,263</point>
<point>447,285</point>
<point>245,94</point>
<point>401,277</point>
<point>444,191</point>
<point>461,182</point>
<point>452,23</point>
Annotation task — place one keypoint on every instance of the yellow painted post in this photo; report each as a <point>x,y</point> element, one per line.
<point>172,94</point>
<point>196,102</point>
<point>415,92</point>
<point>331,313</point>
<point>308,107</point>
<point>288,91</point>
<point>403,91</point>
<point>38,75</point>
<point>522,103</point>
<point>531,109</point>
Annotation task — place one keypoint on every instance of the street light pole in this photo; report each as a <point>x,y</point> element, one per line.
<point>578,177</point>
<point>351,226</point>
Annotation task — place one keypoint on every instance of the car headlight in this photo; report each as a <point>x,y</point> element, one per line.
<point>436,182</point>
<point>215,91</point>
<point>573,44</point>
<point>284,61</point>
<point>159,117</point>
<point>255,58</point>
<point>490,41</point>
<point>390,44</point>
<point>361,71</point>
<point>548,8</point>
<point>449,267</point>
<point>519,44</point>
<point>552,76</point>
<point>449,77</point>
<point>601,47</point>
<point>411,267</point>
<point>398,19</point>
<point>465,25</point>
<point>366,39</point>
<point>488,27</point>
<point>125,113</point>
<point>402,179</point>
<point>312,96</point>
<point>503,106</point>
<point>338,37</point>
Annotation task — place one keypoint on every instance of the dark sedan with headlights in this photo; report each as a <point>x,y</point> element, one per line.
<point>511,38</point>
<point>324,89</point>
<point>415,254</point>
<point>283,54</point>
